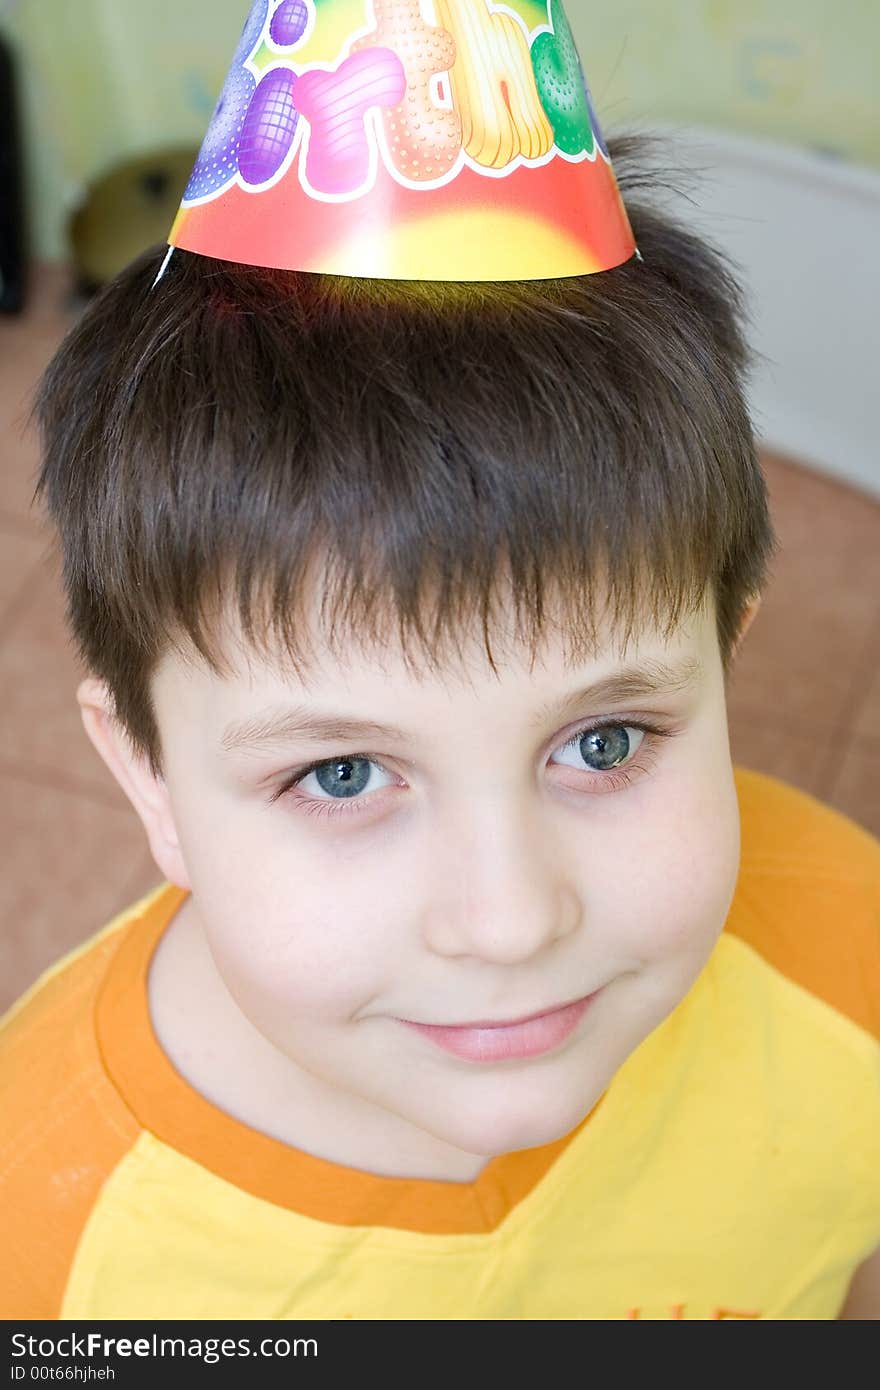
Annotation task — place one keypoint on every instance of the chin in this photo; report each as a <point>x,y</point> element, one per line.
<point>505,1126</point>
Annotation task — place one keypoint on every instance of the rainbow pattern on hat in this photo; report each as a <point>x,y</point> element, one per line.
<point>406,139</point>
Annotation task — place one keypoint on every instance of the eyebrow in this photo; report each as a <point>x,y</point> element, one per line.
<point>280,725</point>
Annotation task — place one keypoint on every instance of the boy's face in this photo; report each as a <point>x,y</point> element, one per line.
<point>488,864</point>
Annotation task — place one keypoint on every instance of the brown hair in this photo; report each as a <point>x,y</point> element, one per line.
<point>206,440</point>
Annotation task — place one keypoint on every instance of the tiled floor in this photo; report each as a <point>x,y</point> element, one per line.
<point>805,697</point>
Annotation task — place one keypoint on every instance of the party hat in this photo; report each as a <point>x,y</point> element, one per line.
<point>406,139</point>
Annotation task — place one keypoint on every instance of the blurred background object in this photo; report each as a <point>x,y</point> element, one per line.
<point>12,230</point>
<point>131,207</point>
<point>773,102</point>
<point>105,82</point>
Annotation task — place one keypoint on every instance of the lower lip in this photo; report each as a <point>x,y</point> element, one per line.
<point>500,1044</point>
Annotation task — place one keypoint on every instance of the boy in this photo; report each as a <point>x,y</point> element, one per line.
<point>481,985</point>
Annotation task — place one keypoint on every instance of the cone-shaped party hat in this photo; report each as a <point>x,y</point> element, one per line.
<point>407,139</point>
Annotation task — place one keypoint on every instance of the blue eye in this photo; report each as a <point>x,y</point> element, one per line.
<point>341,779</point>
<point>604,746</point>
<point>347,777</point>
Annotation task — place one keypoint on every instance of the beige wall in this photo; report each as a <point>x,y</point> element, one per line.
<point>798,71</point>
<point>801,71</point>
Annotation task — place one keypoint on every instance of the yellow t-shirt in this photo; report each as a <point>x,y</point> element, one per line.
<point>730,1170</point>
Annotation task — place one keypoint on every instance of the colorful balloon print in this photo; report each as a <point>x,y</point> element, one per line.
<point>422,139</point>
<point>560,84</point>
<point>510,99</point>
<point>217,164</point>
<point>334,104</point>
<point>461,135</point>
<point>289,23</point>
<point>269,127</point>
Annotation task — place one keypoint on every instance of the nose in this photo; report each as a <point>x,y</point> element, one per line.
<point>504,889</point>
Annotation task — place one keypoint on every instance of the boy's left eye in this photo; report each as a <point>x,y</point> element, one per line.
<point>340,784</point>
<point>603,747</point>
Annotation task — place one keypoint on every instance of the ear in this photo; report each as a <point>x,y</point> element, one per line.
<point>146,791</point>
<point>747,617</point>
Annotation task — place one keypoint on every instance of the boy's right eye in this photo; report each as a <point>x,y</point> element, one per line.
<point>344,777</point>
<point>344,780</point>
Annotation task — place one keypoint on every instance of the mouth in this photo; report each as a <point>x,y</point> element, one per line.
<point>498,1042</point>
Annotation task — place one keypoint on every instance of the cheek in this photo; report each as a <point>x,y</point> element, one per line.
<point>296,922</point>
<point>296,932</point>
<point>684,869</point>
<point>264,858</point>
<point>300,953</point>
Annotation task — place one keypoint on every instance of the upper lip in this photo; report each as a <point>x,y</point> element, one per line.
<point>507,1022</point>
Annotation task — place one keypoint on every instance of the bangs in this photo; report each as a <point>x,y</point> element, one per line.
<point>428,466</point>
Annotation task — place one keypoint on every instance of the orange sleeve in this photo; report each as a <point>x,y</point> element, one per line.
<point>808,895</point>
<point>63,1129</point>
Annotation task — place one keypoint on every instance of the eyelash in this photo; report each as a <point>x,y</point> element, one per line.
<point>615,778</point>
